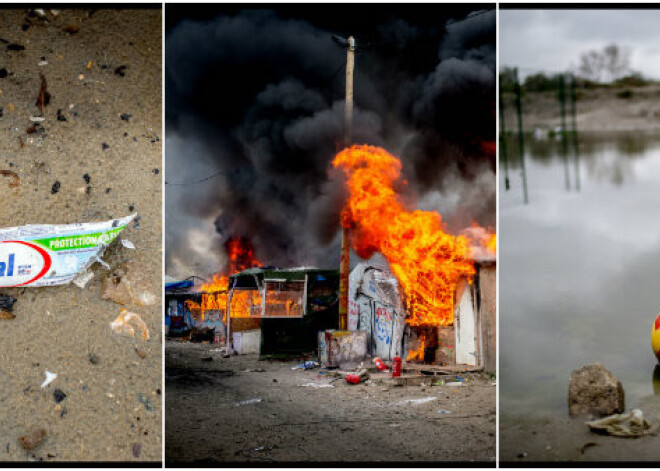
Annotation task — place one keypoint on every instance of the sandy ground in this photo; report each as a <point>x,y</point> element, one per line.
<point>241,409</point>
<point>66,329</point>
<point>598,110</point>
<point>553,439</point>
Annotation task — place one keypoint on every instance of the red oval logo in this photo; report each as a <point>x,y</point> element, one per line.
<point>22,263</point>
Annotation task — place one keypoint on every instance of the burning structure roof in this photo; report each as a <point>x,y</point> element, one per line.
<point>285,274</point>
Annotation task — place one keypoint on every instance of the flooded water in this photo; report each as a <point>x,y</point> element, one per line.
<point>579,269</point>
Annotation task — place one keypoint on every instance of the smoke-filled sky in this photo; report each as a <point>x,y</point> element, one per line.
<point>255,103</point>
<point>553,40</point>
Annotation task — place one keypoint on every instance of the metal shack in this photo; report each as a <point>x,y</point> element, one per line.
<point>375,306</point>
<point>475,318</point>
<point>293,304</point>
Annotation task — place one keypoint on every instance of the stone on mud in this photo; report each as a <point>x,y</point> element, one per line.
<point>594,390</point>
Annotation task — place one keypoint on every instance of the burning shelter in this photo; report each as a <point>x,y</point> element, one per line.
<point>377,307</point>
<point>291,306</point>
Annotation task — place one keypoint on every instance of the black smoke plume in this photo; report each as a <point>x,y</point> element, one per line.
<point>257,95</point>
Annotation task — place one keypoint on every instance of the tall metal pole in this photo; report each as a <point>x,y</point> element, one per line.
<point>345,258</point>
<point>521,137</point>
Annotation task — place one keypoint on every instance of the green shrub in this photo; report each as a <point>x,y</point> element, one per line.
<point>625,94</point>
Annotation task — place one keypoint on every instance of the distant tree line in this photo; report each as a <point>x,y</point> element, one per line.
<point>607,68</point>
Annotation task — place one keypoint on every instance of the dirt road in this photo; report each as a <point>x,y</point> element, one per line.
<point>241,409</point>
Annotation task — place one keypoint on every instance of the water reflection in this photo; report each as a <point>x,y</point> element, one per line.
<point>656,380</point>
<point>609,159</point>
<point>579,271</point>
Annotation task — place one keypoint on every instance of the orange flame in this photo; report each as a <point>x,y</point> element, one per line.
<point>418,354</point>
<point>491,245</point>
<point>426,261</point>
<point>240,256</point>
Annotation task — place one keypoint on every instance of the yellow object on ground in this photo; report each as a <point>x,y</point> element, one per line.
<point>655,337</point>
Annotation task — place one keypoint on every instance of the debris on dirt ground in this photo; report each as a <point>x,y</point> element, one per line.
<point>7,302</point>
<point>455,384</point>
<point>357,377</point>
<point>128,244</point>
<point>380,364</point>
<point>594,390</point>
<point>50,377</point>
<point>71,29</point>
<point>60,116</point>
<point>137,449</point>
<point>317,385</point>
<point>127,323</point>
<point>444,411</point>
<point>256,400</point>
<point>422,400</point>
<point>55,188</point>
<point>13,176</point>
<point>126,117</point>
<point>146,402</point>
<point>93,358</point>
<point>15,47</point>
<point>32,440</point>
<point>101,261</point>
<point>587,445</point>
<point>121,70</point>
<point>6,307</point>
<point>44,97</point>
<point>84,278</point>
<point>308,365</point>
<point>631,425</point>
<point>59,395</point>
<point>225,352</point>
<point>127,284</point>
<point>140,353</point>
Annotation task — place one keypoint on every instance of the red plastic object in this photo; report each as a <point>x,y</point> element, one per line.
<point>396,367</point>
<point>380,364</point>
<point>353,379</point>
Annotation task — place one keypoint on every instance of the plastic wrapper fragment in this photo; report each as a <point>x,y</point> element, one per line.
<point>49,255</point>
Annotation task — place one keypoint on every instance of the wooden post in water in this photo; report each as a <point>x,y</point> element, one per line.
<point>503,141</point>
<point>564,142</point>
<point>574,134</point>
<point>521,137</point>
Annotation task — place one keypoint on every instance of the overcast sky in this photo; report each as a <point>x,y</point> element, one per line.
<point>552,40</point>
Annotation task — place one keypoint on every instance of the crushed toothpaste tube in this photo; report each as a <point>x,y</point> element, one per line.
<point>49,255</point>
